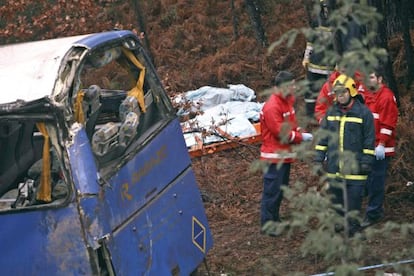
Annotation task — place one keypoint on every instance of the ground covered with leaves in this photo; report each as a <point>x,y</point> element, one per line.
<point>198,43</point>
<point>232,193</point>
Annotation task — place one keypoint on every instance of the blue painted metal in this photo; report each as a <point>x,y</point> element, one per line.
<point>156,210</point>
<point>149,214</point>
<point>85,178</point>
<point>147,174</point>
<point>95,40</point>
<point>169,235</point>
<point>43,242</point>
<point>151,210</point>
<point>83,166</point>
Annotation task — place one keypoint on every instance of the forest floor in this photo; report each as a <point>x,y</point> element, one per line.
<point>201,50</point>
<point>232,193</point>
<point>198,43</point>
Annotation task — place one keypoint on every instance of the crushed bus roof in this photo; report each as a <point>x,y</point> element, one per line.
<point>28,71</point>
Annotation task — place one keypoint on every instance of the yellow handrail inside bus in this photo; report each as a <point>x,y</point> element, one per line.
<point>45,187</point>
<point>138,90</point>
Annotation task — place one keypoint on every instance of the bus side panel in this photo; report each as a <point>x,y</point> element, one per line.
<point>43,242</point>
<point>170,236</point>
<point>163,159</point>
<point>82,162</point>
<point>93,212</point>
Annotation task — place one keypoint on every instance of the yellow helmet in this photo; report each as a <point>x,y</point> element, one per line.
<point>343,81</point>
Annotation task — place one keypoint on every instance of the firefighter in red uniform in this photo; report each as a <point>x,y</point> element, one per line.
<point>348,147</point>
<point>383,106</point>
<point>326,95</point>
<point>279,130</point>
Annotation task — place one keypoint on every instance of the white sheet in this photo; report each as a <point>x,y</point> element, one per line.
<point>231,110</point>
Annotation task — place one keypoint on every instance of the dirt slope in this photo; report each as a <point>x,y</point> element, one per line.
<point>193,44</point>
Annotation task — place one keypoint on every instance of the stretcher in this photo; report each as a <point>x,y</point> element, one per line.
<point>229,142</point>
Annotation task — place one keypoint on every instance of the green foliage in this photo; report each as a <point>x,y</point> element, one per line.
<point>314,213</point>
<point>289,37</point>
<point>169,17</point>
<point>402,168</point>
<point>179,37</point>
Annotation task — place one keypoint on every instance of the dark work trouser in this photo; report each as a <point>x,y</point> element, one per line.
<point>376,189</point>
<point>273,180</point>
<point>354,195</point>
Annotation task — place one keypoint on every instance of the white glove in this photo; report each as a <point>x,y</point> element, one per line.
<point>380,152</point>
<point>307,136</point>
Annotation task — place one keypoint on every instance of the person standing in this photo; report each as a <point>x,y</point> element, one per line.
<point>383,106</point>
<point>314,61</point>
<point>326,95</point>
<point>348,147</point>
<point>279,130</point>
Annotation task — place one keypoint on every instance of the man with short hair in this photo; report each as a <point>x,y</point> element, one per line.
<point>327,96</point>
<point>279,131</point>
<point>383,106</point>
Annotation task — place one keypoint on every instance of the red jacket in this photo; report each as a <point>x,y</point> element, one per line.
<point>359,81</point>
<point>279,129</point>
<point>326,96</point>
<point>383,106</point>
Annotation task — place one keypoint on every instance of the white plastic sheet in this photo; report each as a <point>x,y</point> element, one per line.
<point>231,110</point>
<point>206,97</point>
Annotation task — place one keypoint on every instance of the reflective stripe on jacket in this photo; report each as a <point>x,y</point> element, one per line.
<point>326,96</point>
<point>317,64</point>
<point>279,129</point>
<point>348,136</point>
<point>383,106</point>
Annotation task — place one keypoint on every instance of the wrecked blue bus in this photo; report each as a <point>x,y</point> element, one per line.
<point>95,176</point>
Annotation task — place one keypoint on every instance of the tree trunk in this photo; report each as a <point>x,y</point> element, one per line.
<point>235,21</point>
<point>141,23</point>
<point>255,16</point>
<point>391,8</point>
<point>382,41</point>
<point>309,10</point>
<point>408,47</point>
